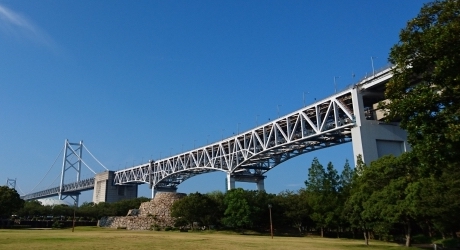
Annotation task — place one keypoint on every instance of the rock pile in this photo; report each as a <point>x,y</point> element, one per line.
<point>155,213</point>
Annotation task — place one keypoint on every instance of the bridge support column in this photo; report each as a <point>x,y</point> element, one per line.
<point>261,185</point>
<point>373,138</point>
<point>258,179</point>
<point>106,191</point>
<point>230,182</point>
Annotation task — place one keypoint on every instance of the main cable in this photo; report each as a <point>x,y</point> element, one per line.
<point>47,172</point>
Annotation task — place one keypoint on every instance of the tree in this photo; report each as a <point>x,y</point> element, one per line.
<point>122,207</point>
<point>322,188</point>
<point>424,92</point>
<point>218,209</point>
<point>31,209</point>
<point>10,202</point>
<point>295,208</point>
<point>238,212</point>
<point>438,202</point>
<point>359,193</point>
<point>344,192</point>
<point>392,200</point>
<point>194,208</point>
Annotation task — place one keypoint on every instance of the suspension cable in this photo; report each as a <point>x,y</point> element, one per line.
<point>95,157</point>
<point>20,189</point>
<point>52,183</point>
<point>47,172</point>
<point>75,153</point>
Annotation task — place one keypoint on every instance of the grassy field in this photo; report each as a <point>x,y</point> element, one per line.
<point>99,238</point>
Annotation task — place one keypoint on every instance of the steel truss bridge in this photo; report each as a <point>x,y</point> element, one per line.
<point>249,155</point>
<point>255,152</point>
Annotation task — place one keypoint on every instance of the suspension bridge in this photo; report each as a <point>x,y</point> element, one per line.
<point>351,115</point>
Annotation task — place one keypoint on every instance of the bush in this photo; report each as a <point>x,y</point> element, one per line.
<point>57,224</point>
<point>421,239</point>
<point>449,242</point>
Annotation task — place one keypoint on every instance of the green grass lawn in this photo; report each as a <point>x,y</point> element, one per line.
<point>102,238</point>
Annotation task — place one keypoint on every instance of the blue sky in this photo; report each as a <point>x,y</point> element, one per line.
<point>145,79</point>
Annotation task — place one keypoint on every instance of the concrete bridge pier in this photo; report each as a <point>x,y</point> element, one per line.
<point>258,179</point>
<point>106,191</point>
<point>157,190</point>
<point>372,136</point>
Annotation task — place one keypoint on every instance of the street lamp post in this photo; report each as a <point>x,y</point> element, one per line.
<point>271,224</point>
<point>73,221</point>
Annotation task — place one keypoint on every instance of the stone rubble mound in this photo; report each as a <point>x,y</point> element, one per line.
<point>155,213</point>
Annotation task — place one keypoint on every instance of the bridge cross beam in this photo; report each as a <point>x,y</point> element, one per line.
<point>252,178</point>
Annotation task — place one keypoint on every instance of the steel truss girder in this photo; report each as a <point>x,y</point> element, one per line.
<point>69,189</point>
<point>252,153</point>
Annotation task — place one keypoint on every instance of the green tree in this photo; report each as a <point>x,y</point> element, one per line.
<point>194,208</point>
<point>89,210</point>
<point>258,202</point>
<point>31,209</point>
<point>61,210</point>
<point>295,208</point>
<point>437,200</point>
<point>122,207</point>
<point>344,192</point>
<point>10,201</point>
<point>359,193</point>
<point>424,92</point>
<point>392,200</point>
<point>216,213</point>
<point>322,189</point>
<point>238,212</point>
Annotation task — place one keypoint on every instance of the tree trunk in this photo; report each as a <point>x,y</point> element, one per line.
<point>430,231</point>
<point>322,232</point>
<point>408,235</point>
<point>366,239</point>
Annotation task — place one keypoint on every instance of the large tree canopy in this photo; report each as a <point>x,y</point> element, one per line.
<point>10,201</point>
<point>425,89</point>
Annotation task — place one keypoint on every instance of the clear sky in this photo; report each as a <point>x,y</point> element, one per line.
<point>145,79</point>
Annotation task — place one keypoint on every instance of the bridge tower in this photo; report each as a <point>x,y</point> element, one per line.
<point>11,183</point>
<point>71,161</point>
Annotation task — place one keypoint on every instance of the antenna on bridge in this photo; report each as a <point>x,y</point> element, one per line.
<point>11,183</point>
